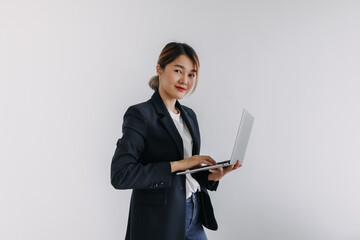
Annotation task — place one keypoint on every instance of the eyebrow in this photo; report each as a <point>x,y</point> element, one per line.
<point>182,67</point>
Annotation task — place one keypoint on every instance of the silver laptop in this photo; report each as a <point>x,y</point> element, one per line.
<point>241,142</point>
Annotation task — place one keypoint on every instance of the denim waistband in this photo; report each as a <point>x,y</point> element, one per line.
<point>194,196</point>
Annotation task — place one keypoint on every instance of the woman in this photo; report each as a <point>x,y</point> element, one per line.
<point>161,137</point>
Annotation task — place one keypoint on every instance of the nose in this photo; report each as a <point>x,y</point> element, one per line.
<point>183,80</point>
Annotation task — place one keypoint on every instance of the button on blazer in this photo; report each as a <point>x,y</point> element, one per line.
<point>141,162</point>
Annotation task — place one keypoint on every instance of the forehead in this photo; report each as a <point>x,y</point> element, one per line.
<point>185,62</point>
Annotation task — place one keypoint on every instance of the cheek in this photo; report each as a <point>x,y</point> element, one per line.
<point>166,80</point>
<point>170,79</point>
<point>191,83</point>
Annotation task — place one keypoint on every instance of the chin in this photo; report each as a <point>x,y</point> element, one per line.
<point>181,95</point>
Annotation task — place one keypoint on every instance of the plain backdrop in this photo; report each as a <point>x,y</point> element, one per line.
<point>70,69</point>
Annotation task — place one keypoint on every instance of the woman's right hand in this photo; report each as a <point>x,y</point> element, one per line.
<point>191,162</point>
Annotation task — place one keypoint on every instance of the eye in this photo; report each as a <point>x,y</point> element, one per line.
<point>178,71</point>
<point>192,75</point>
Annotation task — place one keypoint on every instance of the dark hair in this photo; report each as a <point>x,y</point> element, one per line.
<point>170,52</point>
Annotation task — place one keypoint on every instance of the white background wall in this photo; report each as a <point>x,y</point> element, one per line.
<point>70,69</point>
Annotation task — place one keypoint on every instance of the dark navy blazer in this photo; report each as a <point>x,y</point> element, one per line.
<point>142,162</point>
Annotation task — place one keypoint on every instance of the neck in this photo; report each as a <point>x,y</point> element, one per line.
<point>169,102</point>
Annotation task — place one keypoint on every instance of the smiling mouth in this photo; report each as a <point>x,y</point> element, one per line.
<point>181,89</point>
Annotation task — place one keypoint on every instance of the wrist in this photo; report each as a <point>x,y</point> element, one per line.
<point>174,166</point>
<point>211,177</point>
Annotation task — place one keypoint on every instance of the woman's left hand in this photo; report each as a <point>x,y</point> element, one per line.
<point>217,173</point>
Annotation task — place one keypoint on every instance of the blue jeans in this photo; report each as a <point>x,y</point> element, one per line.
<point>193,227</point>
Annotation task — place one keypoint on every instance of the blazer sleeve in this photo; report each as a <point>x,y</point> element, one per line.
<point>202,178</point>
<point>126,170</point>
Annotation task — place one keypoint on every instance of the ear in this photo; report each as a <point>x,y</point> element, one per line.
<point>159,70</point>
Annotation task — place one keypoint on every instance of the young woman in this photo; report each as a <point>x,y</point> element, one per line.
<point>161,137</point>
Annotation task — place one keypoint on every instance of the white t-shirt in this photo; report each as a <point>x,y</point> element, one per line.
<point>191,184</point>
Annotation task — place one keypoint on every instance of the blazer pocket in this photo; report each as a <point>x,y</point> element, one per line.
<point>150,197</point>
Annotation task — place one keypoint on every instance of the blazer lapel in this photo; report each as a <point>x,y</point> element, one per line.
<point>169,125</point>
<point>167,121</point>
<point>192,129</point>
